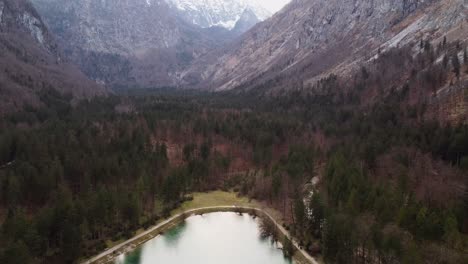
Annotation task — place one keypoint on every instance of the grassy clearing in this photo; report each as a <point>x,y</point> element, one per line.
<point>216,198</point>
<point>221,198</point>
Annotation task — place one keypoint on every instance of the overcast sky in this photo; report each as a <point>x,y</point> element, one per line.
<point>273,5</point>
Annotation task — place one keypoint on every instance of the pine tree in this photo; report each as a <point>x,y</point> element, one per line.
<point>71,242</point>
<point>205,150</point>
<point>318,212</point>
<point>288,247</point>
<point>15,253</point>
<point>299,212</point>
<point>445,61</point>
<point>427,46</point>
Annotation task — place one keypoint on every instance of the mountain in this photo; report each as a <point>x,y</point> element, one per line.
<point>312,38</point>
<point>219,13</point>
<point>31,62</point>
<point>127,43</point>
<point>144,43</point>
<point>246,21</point>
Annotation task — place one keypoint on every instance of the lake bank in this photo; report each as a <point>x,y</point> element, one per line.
<point>231,203</point>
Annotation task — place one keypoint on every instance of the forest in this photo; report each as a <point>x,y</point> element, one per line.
<point>392,175</point>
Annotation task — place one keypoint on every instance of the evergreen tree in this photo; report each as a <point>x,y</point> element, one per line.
<point>15,253</point>
<point>451,233</point>
<point>188,151</point>
<point>337,241</point>
<point>205,149</point>
<point>427,46</point>
<point>456,65</point>
<point>445,61</point>
<point>288,247</point>
<point>299,212</point>
<point>276,184</point>
<point>318,213</point>
<point>71,242</point>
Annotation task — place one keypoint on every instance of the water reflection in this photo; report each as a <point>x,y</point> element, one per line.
<point>210,239</point>
<point>134,258</point>
<point>172,236</point>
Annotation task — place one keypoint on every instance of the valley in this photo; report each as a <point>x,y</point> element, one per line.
<point>342,125</point>
<point>172,144</point>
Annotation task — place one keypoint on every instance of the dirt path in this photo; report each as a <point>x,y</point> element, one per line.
<point>108,255</point>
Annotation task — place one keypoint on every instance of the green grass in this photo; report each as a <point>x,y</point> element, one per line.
<point>216,198</point>
<point>221,198</point>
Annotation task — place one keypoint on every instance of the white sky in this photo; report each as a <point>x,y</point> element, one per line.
<point>273,5</point>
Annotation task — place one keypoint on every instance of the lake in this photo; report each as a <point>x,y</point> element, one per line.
<point>212,238</point>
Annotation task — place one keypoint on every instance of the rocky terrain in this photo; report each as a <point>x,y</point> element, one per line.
<point>142,43</point>
<point>176,43</point>
<point>30,60</point>
<point>311,38</point>
<point>126,42</point>
<point>219,13</point>
<point>246,21</point>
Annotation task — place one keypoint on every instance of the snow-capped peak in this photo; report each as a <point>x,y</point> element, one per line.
<point>223,13</point>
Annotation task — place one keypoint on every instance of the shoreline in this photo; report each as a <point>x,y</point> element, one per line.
<point>109,255</point>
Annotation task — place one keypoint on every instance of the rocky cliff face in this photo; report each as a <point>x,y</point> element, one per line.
<point>219,13</point>
<point>20,16</point>
<point>127,43</point>
<point>119,27</point>
<point>30,60</point>
<point>310,38</point>
<point>246,21</point>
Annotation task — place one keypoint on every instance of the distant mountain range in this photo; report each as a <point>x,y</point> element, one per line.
<point>218,13</point>
<point>208,44</point>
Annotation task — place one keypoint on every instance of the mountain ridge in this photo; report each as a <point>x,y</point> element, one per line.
<point>217,13</point>
<point>130,43</point>
<point>141,43</point>
<point>338,34</point>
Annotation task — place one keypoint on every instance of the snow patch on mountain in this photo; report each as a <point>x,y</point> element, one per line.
<point>217,13</point>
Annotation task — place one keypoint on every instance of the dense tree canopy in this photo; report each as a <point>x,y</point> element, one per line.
<point>391,178</point>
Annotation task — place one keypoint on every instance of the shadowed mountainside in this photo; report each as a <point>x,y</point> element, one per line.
<point>30,60</point>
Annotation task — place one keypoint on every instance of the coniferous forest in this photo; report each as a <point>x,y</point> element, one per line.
<point>392,176</point>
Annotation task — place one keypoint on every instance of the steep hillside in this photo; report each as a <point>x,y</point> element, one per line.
<point>127,43</point>
<point>246,21</point>
<point>30,60</point>
<point>311,38</point>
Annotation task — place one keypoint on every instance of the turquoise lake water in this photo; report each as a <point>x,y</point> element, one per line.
<point>213,238</point>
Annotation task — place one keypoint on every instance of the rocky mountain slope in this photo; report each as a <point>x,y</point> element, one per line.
<point>246,21</point>
<point>123,42</point>
<point>218,13</point>
<point>311,38</point>
<point>30,60</point>
<point>142,43</point>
